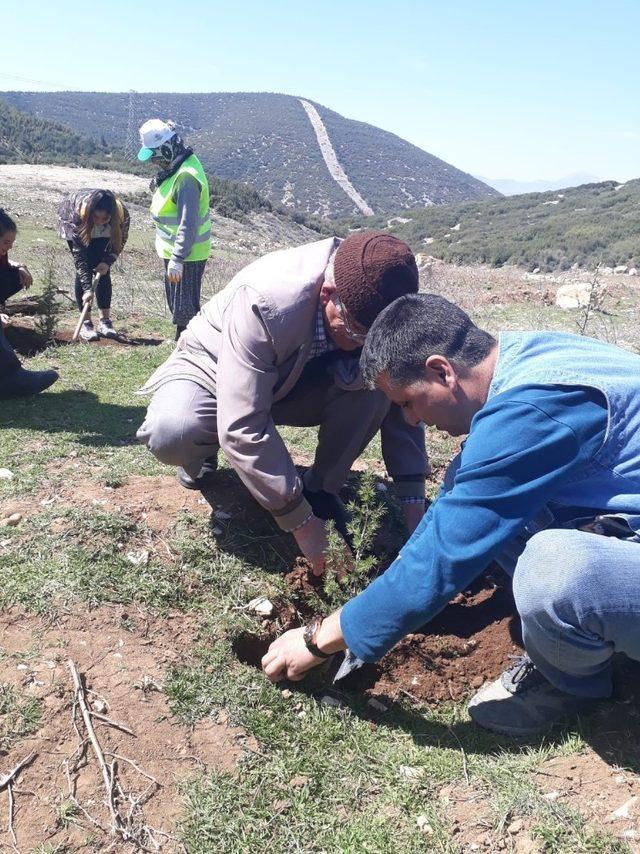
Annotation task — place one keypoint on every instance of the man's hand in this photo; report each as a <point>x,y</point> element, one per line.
<point>413,514</point>
<point>313,542</point>
<point>26,279</point>
<point>174,271</point>
<point>87,296</point>
<point>102,268</point>
<point>289,658</point>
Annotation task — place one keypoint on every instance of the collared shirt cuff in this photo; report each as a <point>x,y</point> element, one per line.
<point>294,515</point>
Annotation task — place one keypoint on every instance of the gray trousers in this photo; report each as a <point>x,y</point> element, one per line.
<point>180,427</point>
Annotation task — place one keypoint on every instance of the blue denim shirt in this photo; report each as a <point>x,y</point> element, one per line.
<point>561,430</point>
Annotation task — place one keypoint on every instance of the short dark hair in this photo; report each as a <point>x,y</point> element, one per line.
<point>417,326</point>
<point>6,223</point>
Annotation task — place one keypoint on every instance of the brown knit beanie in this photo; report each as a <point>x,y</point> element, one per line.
<point>372,269</point>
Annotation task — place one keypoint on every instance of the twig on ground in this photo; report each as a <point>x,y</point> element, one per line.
<point>11,830</point>
<point>116,820</point>
<point>6,782</point>
<point>114,724</point>
<point>8,778</point>
<point>465,770</point>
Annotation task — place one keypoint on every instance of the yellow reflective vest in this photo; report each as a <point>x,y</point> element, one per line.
<point>164,211</point>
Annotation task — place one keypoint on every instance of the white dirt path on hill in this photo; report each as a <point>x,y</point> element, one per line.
<point>331,159</point>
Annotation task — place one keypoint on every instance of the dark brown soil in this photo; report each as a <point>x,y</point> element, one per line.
<point>470,642</point>
<point>27,341</point>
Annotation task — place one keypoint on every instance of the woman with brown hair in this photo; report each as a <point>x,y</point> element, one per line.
<point>95,225</point>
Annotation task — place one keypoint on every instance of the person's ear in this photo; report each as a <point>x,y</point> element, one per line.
<point>327,290</point>
<point>442,369</point>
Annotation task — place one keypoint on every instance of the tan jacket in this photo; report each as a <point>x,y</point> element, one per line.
<point>256,335</point>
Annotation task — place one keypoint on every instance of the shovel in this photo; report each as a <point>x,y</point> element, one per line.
<point>86,307</point>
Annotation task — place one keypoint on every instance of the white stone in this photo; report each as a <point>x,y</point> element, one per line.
<point>220,514</point>
<point>14,519</point>
<point>377,705</point>
<point>633,271</point>
<point>621,268</point>
<point>410,773</point>
<point>515,826</point>
<point>140,558</point>
<point>6,474</point>
<point>573,296</point>
<point>422,822</point>
<point>261,606</point>
<point>624,811</point>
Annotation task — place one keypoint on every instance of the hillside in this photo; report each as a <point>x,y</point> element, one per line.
<point>589,225</point>
<point>270,142</point>
<point>25,138</point>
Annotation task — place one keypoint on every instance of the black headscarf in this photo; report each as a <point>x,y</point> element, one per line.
<point>174,152</point>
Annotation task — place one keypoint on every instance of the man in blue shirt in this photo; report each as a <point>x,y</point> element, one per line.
<point>547,484</point>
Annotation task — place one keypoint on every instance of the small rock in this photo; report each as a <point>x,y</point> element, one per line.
<point>22,667</point>
<point>377,705</point>
<point>410,773</point>
<point>261,606</point>
<point>99,706</point>
<point>477,682</point>
<point>140,558</point>
<point>216,531</point>
<point>551,796</point>
<point>220,514</point>
<point>422,823</point>
<point>299,781</point>
<point>14,519</point>
<point>382,487</point>
<point>515,826</point>
<point>286,693</point>
<point>624,811</point>
<point>6,474</point>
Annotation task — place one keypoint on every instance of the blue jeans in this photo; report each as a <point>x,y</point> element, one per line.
<point>578,595</point>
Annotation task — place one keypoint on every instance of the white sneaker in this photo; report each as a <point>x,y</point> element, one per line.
<point>88,333</point>
<point>106,328</point>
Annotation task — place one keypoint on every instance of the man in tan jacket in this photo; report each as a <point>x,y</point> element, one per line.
<point>280,345</point>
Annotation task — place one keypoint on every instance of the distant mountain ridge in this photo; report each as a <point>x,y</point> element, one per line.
<point>269,141</point>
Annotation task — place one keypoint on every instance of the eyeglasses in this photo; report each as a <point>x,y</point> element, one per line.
<point>358,337</point>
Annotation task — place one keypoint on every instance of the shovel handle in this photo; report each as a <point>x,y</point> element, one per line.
<point>86,307</point>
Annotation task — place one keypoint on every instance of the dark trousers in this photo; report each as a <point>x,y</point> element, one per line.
<point>94,255</point>
<point>8,359</point>
<point>183,298</point>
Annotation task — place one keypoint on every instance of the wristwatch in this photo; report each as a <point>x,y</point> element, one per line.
<point>309,637</point>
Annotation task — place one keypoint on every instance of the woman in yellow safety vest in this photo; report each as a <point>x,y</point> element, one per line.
<point>180,211</point>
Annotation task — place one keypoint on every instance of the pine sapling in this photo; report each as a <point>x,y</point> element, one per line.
<point>47,321</point>
<point>366,511</point>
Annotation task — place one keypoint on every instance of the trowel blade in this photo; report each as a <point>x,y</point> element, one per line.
<point>350,663</point>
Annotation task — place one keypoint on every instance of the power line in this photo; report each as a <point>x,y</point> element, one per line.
<point>39,82</point>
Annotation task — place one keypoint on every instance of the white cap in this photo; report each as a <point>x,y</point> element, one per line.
<point>153,134</point>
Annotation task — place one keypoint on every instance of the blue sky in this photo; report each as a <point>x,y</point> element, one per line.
<point>521,89</point>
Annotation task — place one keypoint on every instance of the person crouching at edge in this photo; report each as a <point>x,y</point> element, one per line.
<point>15,381</point>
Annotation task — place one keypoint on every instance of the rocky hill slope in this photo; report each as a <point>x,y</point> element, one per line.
<point>596,224</point>
<point>293,151</point>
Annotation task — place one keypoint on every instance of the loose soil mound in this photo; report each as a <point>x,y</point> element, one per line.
<point>27,341</point>
<point>473,640</point>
